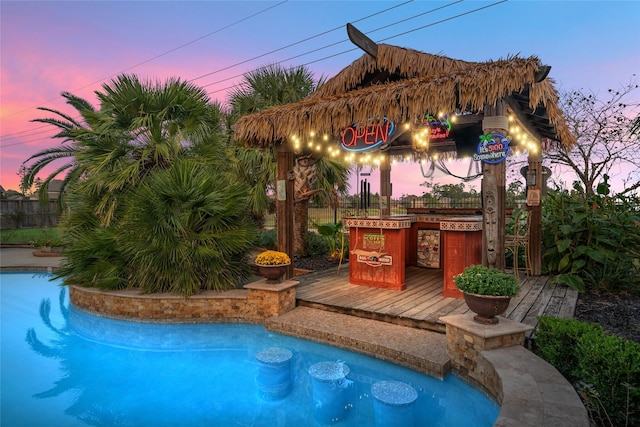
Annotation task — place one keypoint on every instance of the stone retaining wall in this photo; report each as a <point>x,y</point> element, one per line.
<point>256,302</point>
<point>530,391</point>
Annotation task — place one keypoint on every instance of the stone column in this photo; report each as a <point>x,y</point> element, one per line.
<point>466,340</point>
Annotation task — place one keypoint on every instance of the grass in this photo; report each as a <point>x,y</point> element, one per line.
<point>23,236</point>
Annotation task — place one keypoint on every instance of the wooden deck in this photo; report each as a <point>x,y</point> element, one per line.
<point>421,304</point>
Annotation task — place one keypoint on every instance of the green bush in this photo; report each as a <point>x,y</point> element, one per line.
<point>556,342</point>
<point>592,241</point>
<point>481,280</point>
<point>605,369</point>
<point>317,245</point>
<point>609,369</point>
<point>267,239</point>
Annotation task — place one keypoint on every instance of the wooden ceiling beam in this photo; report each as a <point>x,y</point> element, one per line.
<point>358,38</point>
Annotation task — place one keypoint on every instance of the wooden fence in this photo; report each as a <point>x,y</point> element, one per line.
<point>28,214</point>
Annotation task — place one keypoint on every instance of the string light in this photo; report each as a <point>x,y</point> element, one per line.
<point>324,143</point>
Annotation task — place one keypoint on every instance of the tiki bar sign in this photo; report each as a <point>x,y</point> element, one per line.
<point>366,137</point>
<point>493,148</point>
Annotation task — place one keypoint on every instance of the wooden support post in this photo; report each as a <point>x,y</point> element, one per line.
<point>385,187</point>
<point>535,210</point>
<point>495,121</point>
<point>284,203</point>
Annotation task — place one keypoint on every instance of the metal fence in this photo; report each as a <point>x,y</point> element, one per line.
<point>353,206</point>
<point>31,214</point>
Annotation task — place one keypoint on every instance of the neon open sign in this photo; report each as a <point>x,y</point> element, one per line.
<point>367,137</point>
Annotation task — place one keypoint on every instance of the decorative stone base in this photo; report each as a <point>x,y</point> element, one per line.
<point>466,339</point>
<point>253,304</point>
<point>530,391</point>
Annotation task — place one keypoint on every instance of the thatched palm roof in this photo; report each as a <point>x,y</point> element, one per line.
<point>404,84</point>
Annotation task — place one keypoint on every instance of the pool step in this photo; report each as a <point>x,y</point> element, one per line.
<point>418,349</point>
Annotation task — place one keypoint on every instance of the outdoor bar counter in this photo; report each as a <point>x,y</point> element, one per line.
<point>382,247</point>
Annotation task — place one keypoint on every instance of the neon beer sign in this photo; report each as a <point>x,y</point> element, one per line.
<point>493,148</point>
<point>367,137</point>
<point>439,129</point>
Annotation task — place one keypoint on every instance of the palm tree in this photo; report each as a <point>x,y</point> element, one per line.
<point>154,206</point>
<point>187,228</point>
<point>72,131</point>
<point>317,177</point>
<point>138,128</point>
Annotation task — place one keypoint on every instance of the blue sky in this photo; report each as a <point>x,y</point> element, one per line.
<point>47,47</point>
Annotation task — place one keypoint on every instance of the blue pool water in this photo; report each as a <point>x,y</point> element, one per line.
<point>63,367</point>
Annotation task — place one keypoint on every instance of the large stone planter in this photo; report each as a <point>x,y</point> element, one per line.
<point>486,307</point>
<point>47,251</point>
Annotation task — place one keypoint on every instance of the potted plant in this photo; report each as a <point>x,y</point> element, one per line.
<point>272,265</point>
<point>487,291</point>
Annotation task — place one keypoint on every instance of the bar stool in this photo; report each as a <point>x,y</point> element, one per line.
<point>519,237</point>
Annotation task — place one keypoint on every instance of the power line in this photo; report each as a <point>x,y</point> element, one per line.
<point>26,142</point>
<point>161,54</point>
<point>355,48</point>
<point>205,75</point>
<point>331,45</point>
<point>312,51</point>
<point>299,42</point>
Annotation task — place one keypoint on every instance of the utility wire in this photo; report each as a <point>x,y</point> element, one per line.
<point>160,55</point>
<point>309,52</point>
<point>328,46</point>
<point>214,72</point>
<point>299,42</point>
<point>205,75</point>
<point>353,49</point>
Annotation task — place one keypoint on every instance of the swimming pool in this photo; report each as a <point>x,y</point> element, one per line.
<point>64,367</point>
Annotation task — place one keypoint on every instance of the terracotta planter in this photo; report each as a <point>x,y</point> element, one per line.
<point>273,273</point>
<point>486,307</point>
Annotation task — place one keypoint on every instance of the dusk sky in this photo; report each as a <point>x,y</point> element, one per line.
<point>48,47</point>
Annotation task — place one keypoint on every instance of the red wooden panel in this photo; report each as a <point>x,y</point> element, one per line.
<point>389,273</point>
<point>461,249</point>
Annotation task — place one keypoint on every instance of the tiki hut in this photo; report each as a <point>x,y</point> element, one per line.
<point>403,85</point>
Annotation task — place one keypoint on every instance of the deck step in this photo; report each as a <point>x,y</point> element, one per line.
<point>421,350</point>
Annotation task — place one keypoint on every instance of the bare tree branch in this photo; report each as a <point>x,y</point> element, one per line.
<point>608,135</point>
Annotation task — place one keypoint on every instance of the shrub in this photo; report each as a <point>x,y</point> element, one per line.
<point>267,239</point>
<point>316,245</point>
<point>609,370</point>
<point>332,233</point>
<point>556,342</point>
<point>592,241</point>
<point>605,369</point>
